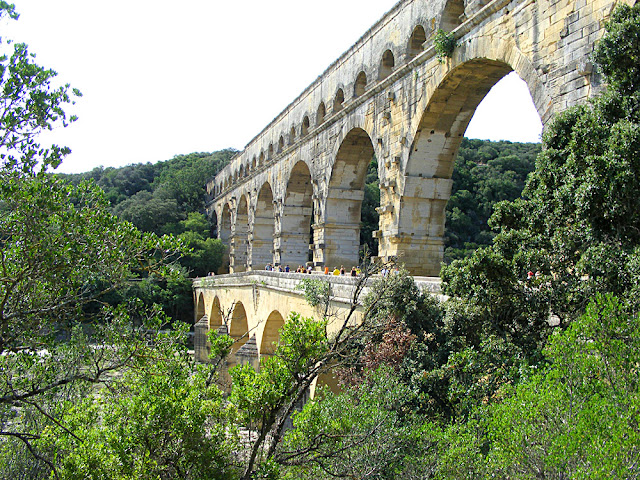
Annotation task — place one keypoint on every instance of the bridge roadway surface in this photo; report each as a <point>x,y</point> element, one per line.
<point>342,286</point>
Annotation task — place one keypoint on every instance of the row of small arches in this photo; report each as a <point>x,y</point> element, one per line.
<point>238,327</point>
<point>387,65</point>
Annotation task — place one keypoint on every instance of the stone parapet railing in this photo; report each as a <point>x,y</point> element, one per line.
<point>342,286</point>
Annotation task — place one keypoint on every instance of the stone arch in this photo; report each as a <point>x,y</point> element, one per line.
<point>270,152</point>
<point>200,308</point>
<point>281,144</point>
<point>261,158</point>
<point>338,100</point>
<point>360,85</point>
<point>320,114</point>
<point>428,166</point>
<point>297,215</point>
<point>241,172</point>
<point>292,135</point>
<point>238,328</point>
<point>240,236</point>
<point>271,333</point>
<point>305,126</point>
<point>263,228</point>
<point>451,15</point>
<point>344,199</point>
<point>387,64</point>
<point>215,315</point>
<point>415,46</point>
<point>213,218</point>
<point>224,234</point>
<point>254,163</point>
<point>460,89</point>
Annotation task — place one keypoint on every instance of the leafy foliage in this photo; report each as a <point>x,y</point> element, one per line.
<point>30,103</point>
<point>161,420</point>
<point>444,44</point>
<point>485,174</point>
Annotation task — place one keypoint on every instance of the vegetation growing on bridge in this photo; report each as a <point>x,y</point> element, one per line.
<point>444,44</point>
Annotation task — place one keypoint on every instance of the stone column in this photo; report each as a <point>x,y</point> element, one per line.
<point>341,228</point>
<point>417,238</point>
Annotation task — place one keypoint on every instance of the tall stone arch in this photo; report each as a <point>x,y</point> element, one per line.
<point>292,243</point>
<point>343,202</point>
<point>424,183</point>
<point>224,234</point>
<point>239,241</point>
<point>263,228</point>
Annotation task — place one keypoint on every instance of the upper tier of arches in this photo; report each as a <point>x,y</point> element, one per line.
<point>396,39</point>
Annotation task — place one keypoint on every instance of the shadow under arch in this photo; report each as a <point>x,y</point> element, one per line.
<point>271,333</point>
<point>344,199</point>
<point>215,315</point>
<point>263,229</point>
<point>238,327</point>
<point>297,215</point>
<point>200,308</point>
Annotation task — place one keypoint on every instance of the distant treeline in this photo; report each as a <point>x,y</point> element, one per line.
<point>166,198</point>
<point>158,197</point>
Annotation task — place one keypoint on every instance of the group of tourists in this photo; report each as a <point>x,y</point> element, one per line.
<point>355,271</point>
<point>287,269</point>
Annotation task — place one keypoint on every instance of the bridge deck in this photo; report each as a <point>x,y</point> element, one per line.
<point>342,286</point>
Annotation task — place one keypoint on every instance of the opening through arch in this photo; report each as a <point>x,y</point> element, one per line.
<point>271,334</point>
<point>343,211</point>
<point>297,216</point>
<point>429,167</point>
<point>263,229</point>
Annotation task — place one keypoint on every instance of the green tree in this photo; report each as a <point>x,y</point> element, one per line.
<point>61,250</point>
<point>579,418</point>
<point>161,420</point>
<point>206,253</point>
<point>363,432</point>
<point>30,103</point>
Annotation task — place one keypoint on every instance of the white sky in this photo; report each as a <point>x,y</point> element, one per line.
<point>163,78</point>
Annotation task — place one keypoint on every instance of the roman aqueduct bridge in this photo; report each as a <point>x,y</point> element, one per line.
<point>294,193</point>
<point>296,189</point>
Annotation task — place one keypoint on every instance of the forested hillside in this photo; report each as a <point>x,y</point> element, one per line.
<point>158,197</point>
<point>165,198</point>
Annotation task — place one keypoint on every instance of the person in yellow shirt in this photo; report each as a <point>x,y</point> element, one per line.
<point>336,271</point>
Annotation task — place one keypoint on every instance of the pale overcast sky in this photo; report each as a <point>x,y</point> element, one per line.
<point>163,78</point>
